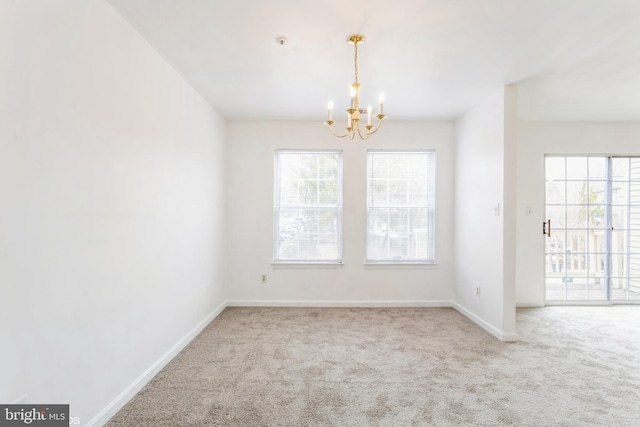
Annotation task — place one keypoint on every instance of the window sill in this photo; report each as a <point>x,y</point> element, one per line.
<point>307,264</point>
<point>393,265</point>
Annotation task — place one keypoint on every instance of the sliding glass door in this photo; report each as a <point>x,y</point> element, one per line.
<point>592,231</point>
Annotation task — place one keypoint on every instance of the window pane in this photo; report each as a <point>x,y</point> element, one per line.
<point>379,192</point>
<point>400,199</point>
<point>577,216</point>
<point>308,166</point>
<point>328,192</point>
<point>398,166</point>
<point>328,167</point>
<point>555,168</point>
<point>619,216</point>
<point>419,233</point>
<point>398,192</point>
<point>308,191</point>
<point>555,243</point>
<point>620,193</point>
<point>576,167</point>
<point>596,216</point>
<point>418,192</point>
<point>289,224</point>
<point>378,167</point>
<point>556,192</point>
<point>577,192</point>
<point>597,192</point>
<point>597,167</point>
<point>620,169</point>
<point>557,215</point>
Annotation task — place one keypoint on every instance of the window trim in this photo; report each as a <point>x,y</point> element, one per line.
<point>306,263</point>
<point>431,218</point>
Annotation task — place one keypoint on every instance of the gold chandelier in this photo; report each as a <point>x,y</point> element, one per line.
<point>354,112</point>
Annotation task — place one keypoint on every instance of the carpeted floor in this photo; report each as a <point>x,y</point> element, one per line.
<point>574,366</point>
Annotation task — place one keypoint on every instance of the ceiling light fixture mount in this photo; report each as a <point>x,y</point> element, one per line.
<point>354,112</point>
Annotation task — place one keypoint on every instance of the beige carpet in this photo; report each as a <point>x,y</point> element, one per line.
<point>576,366</point>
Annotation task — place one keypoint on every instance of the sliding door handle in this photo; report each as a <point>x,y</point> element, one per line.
<point>546,228</point>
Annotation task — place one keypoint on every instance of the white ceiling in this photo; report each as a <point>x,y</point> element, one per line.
<point>573,60</point>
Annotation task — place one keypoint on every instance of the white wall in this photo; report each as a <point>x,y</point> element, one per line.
<point>535,139</point>
<point>250,213</point>
<point>484,248</point>
<point>112,242</point>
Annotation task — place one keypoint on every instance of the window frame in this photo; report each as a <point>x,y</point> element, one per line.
<point>277,207</point>
<point>430,259</point>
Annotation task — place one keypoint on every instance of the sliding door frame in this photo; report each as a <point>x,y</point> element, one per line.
<point>590,254</point>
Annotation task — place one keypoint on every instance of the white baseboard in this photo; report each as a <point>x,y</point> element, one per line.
<point>510,337</point>
<point>336,303</point>
<point>117,404</point>
<point>507,337</point>
<point>529,304</point>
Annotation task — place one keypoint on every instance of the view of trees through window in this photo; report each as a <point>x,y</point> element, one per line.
<point>308,206</point>
<point>400,194</point>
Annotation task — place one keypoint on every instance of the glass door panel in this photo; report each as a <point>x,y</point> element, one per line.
<point>593,250</point>
<point>576,190</point>
<point>625,229</point>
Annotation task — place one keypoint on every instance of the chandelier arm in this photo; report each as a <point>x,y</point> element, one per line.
<point>335,134</point>
<point>363,135</point>
<point>375,129</point>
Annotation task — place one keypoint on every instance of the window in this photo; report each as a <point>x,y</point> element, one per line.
<point>400,206</point>
<point>308,206</point>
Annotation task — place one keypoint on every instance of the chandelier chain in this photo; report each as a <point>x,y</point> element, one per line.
<point>355,60</point>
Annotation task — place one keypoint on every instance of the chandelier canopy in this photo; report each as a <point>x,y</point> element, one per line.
<point>354,112</point>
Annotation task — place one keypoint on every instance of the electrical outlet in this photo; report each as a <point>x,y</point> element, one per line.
<point>478,291</point>
<point>263,278</point>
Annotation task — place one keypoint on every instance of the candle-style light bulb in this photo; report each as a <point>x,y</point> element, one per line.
<point>380,100</point>
<point>369,111</point>
<point>330,110</point>
<point>352,94</point>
